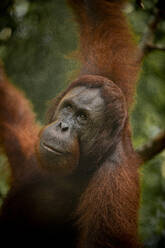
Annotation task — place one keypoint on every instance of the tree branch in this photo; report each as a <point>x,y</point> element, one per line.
<point>152,47</point>
<point>154,147</point>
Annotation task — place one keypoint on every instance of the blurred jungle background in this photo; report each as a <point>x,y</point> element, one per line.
<point>36,41</point>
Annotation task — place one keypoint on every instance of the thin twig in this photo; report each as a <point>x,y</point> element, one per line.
<point>147,43</point>
<point>140,3</point>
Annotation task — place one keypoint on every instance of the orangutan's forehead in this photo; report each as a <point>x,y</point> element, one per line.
<point>84,96</point>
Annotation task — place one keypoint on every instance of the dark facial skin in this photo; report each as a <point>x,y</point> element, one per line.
<point>72,131</point>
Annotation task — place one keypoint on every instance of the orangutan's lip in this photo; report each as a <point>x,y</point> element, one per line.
<point>51,149</point>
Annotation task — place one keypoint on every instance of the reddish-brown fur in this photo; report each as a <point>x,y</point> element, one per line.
<point>107,46</point>
<point>18,129</point>
<point>108,209</point>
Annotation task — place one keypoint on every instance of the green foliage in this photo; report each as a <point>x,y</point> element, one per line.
<point>148,118</point>
<point>4,177</point>
<point>35,54</point>
<point>152,213</point>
